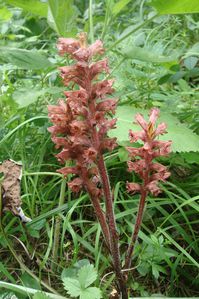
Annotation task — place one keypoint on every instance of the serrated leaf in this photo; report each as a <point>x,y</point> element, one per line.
<point>24,59</point>
<point>33,6</point>
<point>69,272</point>
<point>40,295</point>
<point>91,293</point>
<point>87,275</point>
<point>183,139</point>
<point>175,6</point>
<point>72,286</point>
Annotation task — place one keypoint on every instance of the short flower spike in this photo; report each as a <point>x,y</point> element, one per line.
<point>150,172</point>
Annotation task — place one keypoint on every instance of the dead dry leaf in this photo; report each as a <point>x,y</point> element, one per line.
<point>11,189</point>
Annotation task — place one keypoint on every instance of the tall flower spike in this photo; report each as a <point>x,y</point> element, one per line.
<point>80,123</point>
<point>80,127</point>
<point>142,164</point>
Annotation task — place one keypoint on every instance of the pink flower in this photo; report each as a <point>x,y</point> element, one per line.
<point>133,187</point>
<point>139,166</point>
<point>78,127</point>
<point>151,173</point>
<point>153,188</point>
<point>67,45</point>
<point>68,170</point>
<point>90,154</point>
<point>102,88</point>
<point>64,155</point>
<point>154,115</point>
<point>107,105</point>
<point>109,144</point>
<point>75,185</point>
<point>98,67</point>
<point>141,121</point>
<point>106,126</point>
<point>161,129</point>
<point>85,54</point>
<point>135,136</point>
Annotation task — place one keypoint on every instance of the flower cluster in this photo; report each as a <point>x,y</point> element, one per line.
<point>150,172</point>
<point>80,122</point>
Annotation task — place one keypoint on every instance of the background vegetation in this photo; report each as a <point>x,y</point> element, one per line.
<point>154,60</point>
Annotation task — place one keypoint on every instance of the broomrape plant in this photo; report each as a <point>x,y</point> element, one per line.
<point>80,126</point>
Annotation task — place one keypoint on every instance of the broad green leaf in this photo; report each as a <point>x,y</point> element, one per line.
<point>193,51</point>
<point>148,55</point>
<point>190,62</point>
<point>62,15</point>
<point>29,281</point>
<point>5,14</point>
<point>119,6</point>
<point>183,139</point>
<point>26,96</point>
<point>80,263</point>
<point>91,293</point>
<point>24,59</point>
<point>72,286</point>
<point>175,6</point>
<point>69,272</point>
<point>40,295</point>
<point>24,290</point>
<point>33,6</point>
<point>155,271</point>
<point>87,275</point>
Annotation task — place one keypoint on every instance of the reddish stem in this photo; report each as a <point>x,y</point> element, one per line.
<point>97,207</point>
<point>114,239</point>
<point>110,217</point>
<point>134,236</point>
<point>139,218</point>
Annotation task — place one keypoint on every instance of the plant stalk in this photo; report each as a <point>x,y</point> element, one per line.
<point>110,217</point>
<point>114,238</point>
<point>91,20</point>
<point>97,207</point>
<point>134,236</point>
